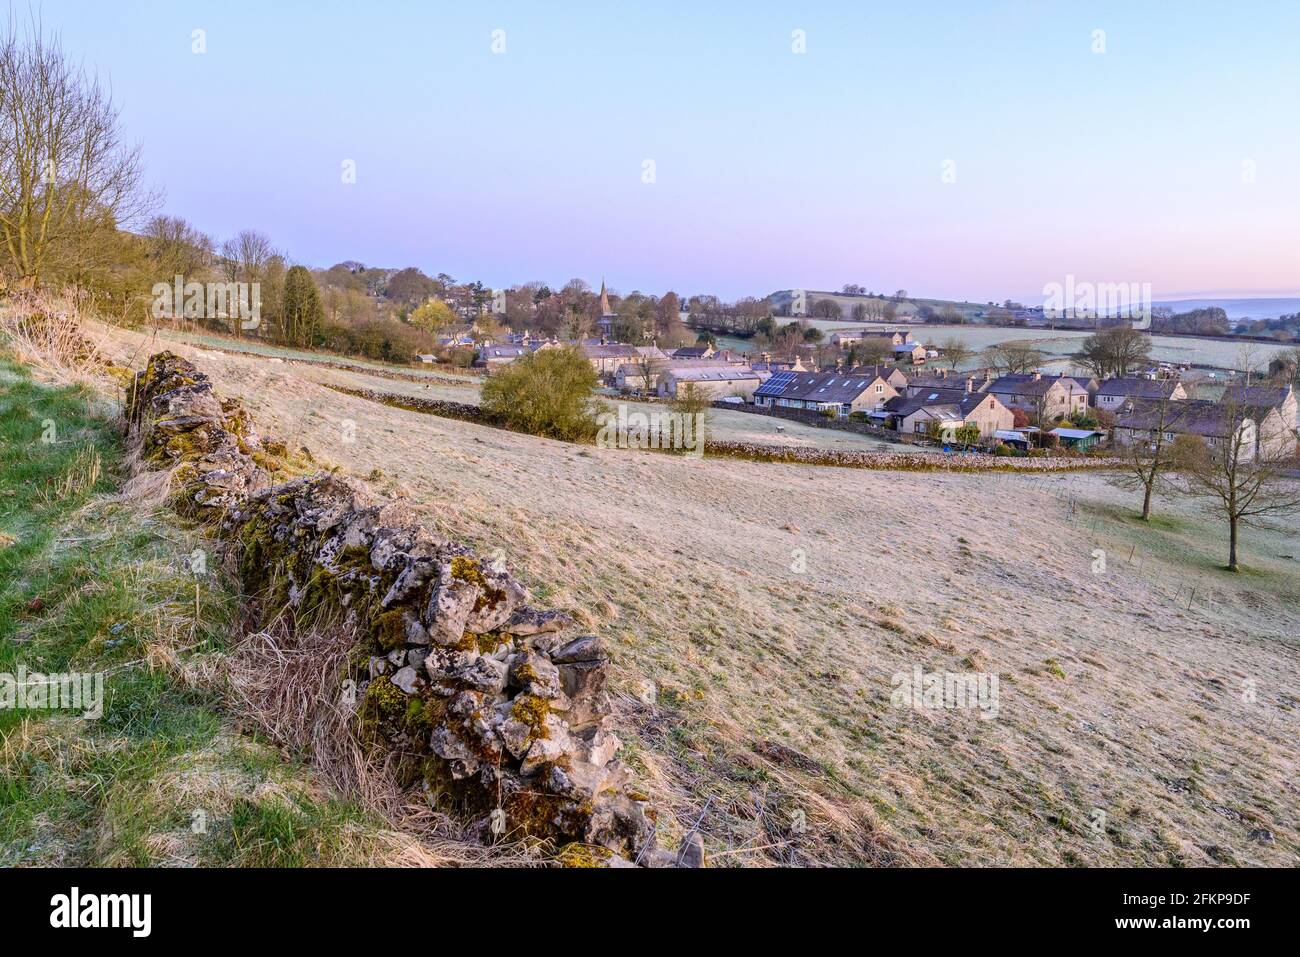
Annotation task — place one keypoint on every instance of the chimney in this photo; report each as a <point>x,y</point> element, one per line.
<point>1037,376</point>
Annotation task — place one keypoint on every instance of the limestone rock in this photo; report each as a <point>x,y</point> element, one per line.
<point>602,747</point>
<point>555,745</point>
<point>588,648</point>
<point>485,674</point>
<point>503,594</point>
<point>407,679</point>
<point>449,609</point>
<point>535,674</point>
<point>584,683</point>
<point>529,621</point>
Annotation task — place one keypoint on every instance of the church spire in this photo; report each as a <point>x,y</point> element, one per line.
<point>604,299</point>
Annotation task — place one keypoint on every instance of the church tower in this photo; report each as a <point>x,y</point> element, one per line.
<point>607,315</point>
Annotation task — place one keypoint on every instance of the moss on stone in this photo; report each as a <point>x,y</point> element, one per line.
<point>383,710</point>
<point>468,569</point>
<point>531,709</point>
<point>583,855</point>
<point>390,630</point>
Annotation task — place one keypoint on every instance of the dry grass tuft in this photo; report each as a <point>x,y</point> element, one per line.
<point>46,331</point>
<point>148,490</point>
<point>289,683</point>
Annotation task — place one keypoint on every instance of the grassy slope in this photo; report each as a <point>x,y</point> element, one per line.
<point>1121,693</point>
<point>93,582</point>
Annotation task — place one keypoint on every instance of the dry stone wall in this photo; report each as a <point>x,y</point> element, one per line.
<point>480,697</point>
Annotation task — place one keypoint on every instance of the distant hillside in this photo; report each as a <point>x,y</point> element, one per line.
<point>1236,308</point>
<point>876,308</point>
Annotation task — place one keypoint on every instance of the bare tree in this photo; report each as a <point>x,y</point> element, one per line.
<point>954,352</point>
<point>244,256</point>
<point>247,258</point>
<point>874,350</point>
<point>578,325</point>
<point>65,174</point>
<point>1014,358</point>
<point>827,309</point>
<point>1116,351</point>
<point>176,247</point>
<point>1146,463</point>
<point>649,367</point>
<point>1242,485</point>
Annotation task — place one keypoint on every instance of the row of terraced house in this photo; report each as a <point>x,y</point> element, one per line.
<point>1263,418</point>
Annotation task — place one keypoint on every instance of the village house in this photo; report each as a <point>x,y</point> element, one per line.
<point>1275,412</point>
<point>819,391</point>
<point>954,408</point>
<point>493,355</point>
<point>1048,397</point>
<point>1090,384</point>
<point>1213,422</point>
<point>650,359</point>
<point>913,352</point>
<point>892,375</point>
<point>632,375</point>
<point>946,379</point>
<point>606,357</point>
<point>851,337</point>
<point>845,337</point>
<point>716,381</point>
<point>767,363</point>
<point>1113,393</point>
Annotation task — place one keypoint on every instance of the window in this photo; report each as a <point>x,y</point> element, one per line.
<point>918,427</point>
<point>879,388</point>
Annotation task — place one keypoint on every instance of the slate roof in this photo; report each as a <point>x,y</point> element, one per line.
<point>611,350</point>
<point>906,405</point>
<point>874,372</point>
<point>1138,388</point>
<point>1195,416</point>
<point>836,387</point>
<point>495,351</point>
<point>1257,396</point>
<point>712,373</point>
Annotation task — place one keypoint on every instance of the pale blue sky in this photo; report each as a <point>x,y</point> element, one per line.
<point>773,169</point>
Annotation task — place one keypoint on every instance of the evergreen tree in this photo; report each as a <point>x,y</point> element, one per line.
<point>302,312</point>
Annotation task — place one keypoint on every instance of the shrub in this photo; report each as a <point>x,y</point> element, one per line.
<point>462,357</point>
<point>546,393</point>
<point>691,399</point>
